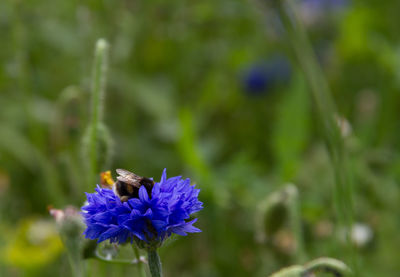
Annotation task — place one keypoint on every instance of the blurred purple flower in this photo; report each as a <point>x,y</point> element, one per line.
<point>262,77</point>
<point>148,220</point>
<point>312,11</point>
<point>329,4</point>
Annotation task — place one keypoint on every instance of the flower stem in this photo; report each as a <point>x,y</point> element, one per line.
<point>329,265</point>
<point>98,88</point>
<point>141,271</point>
<point>74,256</point>
<point>295,220</point>
<point>154,263</point>
<point>326,109</point>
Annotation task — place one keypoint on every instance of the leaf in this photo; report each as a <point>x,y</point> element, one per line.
<point>291,130</point>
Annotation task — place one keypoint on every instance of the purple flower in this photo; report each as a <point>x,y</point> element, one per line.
<point>314,11</point>
<point>148,219</point>
<point>261,77</point>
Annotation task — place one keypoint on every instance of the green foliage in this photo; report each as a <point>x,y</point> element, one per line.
<point>175,98</point>
<point>292,127</point>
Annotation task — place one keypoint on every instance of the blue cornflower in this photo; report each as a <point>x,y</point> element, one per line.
<point>148,219</point>
<point>257,79</point>
<point>325,4</point>
<point>316,11</point>
<point>261,77</point>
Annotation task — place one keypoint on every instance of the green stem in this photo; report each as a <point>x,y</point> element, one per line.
<point>141,270</point>
<point>295,221</point>
<point>74,251</point>
<point>326,109</point>
<point>328,265</point>
<point>98,88</point>
<point>292,271</point>
<point>154,263</point>
<point>289,197</point>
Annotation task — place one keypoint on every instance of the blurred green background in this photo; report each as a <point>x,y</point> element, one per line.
<point>209,90</point>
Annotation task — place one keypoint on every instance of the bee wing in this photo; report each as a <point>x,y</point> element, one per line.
<point>124,172</point>
<point>128,177</point>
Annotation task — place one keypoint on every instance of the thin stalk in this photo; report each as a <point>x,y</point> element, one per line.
<point>98,88</point>
<point>295,221</point>
<point>326,265</point>
<point>154,263</point>
<point>336,267</point>
<point>23,84</point>
<point>141,271</point>
<point>326,109</point>
<point>289,197</point>
<point>99,257</point>
<point>292,271</point>
<point>74,257</point>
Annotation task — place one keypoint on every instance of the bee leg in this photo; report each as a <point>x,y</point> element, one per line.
<point>124,198</point>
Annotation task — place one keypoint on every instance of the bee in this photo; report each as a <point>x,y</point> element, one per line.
<point>128,184</point>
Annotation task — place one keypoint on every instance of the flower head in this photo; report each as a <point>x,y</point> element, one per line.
<point>148,219</point>
<point>313,12</point>
<point>262,77</point>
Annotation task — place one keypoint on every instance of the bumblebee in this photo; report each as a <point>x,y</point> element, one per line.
<point>128,184</point>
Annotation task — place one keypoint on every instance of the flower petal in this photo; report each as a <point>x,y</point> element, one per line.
<point>144,197</point>
<point>172,202</point>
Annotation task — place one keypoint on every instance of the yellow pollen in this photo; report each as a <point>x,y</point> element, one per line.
<point>106,179</point>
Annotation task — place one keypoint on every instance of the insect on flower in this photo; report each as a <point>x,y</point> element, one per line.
<point>128,184</point>
<point>138,209</point>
